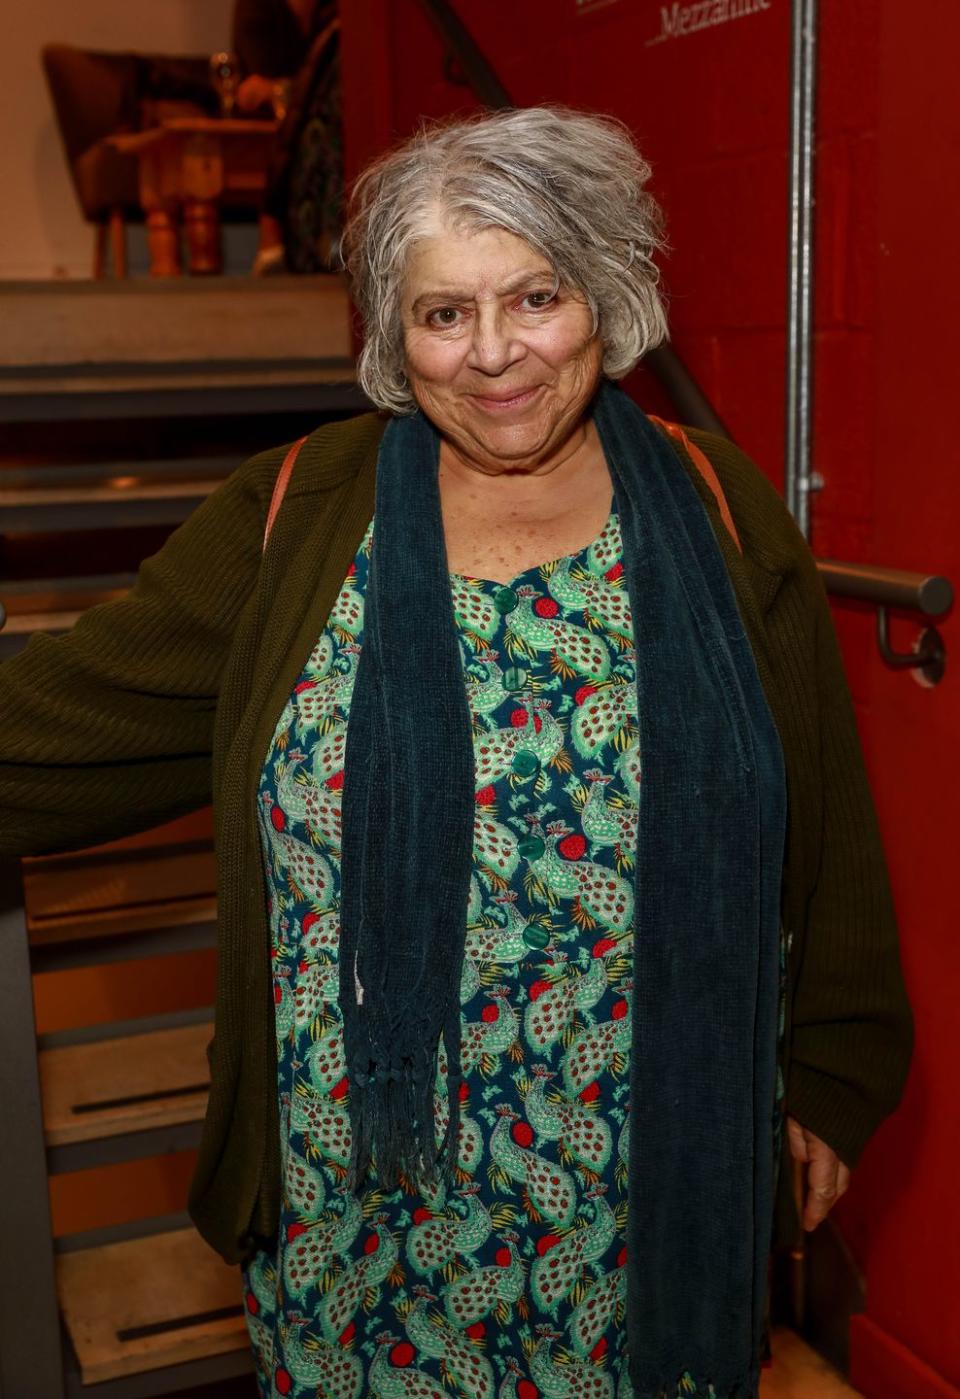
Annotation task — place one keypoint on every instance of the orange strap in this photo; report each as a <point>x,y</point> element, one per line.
<point>702,462</point>
<point>280,487</point>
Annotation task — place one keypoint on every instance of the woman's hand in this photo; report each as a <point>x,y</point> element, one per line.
<point>827,1176</point>
<point>254,92</point>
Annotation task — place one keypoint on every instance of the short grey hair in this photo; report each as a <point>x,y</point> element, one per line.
<point>570,184</point>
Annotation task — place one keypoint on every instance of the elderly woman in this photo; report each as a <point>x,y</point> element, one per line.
<point>549,878</point>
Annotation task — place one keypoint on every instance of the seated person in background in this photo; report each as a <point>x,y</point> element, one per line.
<point>271,39</point>
<point>287,50</point>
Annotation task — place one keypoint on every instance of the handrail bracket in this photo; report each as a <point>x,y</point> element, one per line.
<point>928,657</point>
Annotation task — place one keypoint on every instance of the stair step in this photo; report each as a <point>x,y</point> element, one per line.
<point>151,881</point>
<point>121,920</point>
<point>164,1299</point>
<point>133,1084</point>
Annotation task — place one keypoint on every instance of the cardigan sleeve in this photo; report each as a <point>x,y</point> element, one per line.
<point>851,1025</point>
<point>852,1028</point>
<point>108,729</point>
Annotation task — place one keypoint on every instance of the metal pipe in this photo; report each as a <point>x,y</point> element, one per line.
<point>930,594</point>
<point>692,404</point>
<point>799,389</point>
<point>476,69</point>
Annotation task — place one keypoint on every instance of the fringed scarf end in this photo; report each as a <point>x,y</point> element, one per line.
<point>393,1127</point>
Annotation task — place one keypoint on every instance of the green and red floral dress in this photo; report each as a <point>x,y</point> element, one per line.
<point>510,1282</point>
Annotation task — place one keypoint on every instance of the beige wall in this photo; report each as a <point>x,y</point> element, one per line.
<point>41,232</point>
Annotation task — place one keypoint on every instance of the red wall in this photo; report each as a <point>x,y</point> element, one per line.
<point>907,1208</point>
<point>710,110</point>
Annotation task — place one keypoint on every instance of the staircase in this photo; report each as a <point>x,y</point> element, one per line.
<point>124,405</point>
<point>144,1308</point>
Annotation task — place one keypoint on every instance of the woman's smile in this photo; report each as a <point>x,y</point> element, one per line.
<point>506,402</point>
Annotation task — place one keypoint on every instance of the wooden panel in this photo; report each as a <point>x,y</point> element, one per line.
<point>26,623</point>
<point>263,325</point>
<point>58,893</point>
<point>124,1085</point>
<point>37,493</point>
<point>49,608</point>
<point>150,1302</point>
<point>154,377</point>
<point>66,899</point>
<point>113,1196</point>
<point>120,921</point>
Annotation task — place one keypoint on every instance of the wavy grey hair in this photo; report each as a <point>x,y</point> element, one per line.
<point>570,184</point>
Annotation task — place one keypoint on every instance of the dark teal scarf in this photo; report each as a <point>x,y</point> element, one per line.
<point>709,858</point>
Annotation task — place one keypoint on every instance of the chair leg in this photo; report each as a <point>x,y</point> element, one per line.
<point>163,242</point>
<point>118,242</point>
<point>201,224</point>
<point>100,252</point>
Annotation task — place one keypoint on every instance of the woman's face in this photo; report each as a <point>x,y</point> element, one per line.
<point>502,363</point>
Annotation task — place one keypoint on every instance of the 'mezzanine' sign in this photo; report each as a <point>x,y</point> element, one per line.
<point>677,21</point>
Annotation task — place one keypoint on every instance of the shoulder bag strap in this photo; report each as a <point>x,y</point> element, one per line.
<point>702,462</point>
<point>280,487</point>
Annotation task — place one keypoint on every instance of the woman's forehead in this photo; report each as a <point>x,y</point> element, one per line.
<point>485,262</point>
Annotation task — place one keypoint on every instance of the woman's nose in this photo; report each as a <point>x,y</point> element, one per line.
<point>493,347</point>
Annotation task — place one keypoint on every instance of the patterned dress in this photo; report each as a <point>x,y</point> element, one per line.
<point>509,1283</point>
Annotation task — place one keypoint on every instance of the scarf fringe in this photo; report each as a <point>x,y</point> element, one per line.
<point>394,1130</point>
<point>689,1387</point>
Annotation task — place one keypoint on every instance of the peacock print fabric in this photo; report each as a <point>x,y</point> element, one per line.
<point>508,1282</point>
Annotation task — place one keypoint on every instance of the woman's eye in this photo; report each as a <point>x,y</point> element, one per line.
<point>537,300</point>
<point>444,316</point>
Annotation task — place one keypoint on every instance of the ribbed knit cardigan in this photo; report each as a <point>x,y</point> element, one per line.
<point>155,704</point>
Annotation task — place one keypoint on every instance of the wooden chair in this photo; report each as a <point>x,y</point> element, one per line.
<point>95,96</point>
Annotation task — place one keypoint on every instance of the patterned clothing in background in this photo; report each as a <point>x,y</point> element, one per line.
<point>305,181</point>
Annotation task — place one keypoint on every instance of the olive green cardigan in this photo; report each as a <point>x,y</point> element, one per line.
<point>159,702</point>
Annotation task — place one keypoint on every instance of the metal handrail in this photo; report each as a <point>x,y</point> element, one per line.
<point>684,392</point>
<point>929,593</point>
<point>476,68</point>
